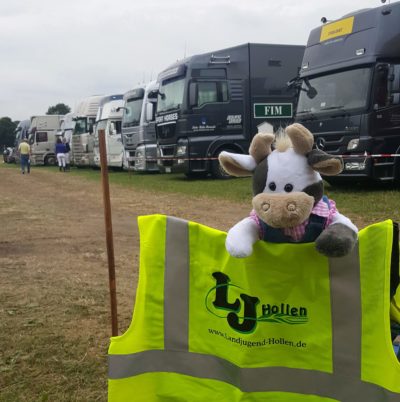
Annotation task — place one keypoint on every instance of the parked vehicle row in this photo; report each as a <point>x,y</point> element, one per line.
<point>344,86</point>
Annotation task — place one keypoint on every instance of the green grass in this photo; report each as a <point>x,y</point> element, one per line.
<point>235,190</point>
<point>371,202</point>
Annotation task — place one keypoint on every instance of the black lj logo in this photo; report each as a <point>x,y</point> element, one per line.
<point>246,323</point>
<point>221,302</point>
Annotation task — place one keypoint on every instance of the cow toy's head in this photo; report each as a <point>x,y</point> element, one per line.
<point>286,180</point>
<point>288,189</point>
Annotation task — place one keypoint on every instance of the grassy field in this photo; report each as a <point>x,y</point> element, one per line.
<point>369,202</point>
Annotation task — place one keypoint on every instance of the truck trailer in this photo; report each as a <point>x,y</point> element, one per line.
<point>350,92</point>
<point>138,128</point>
<point>42,137</point>
<point>82,135</point>
<point>109,119</point>
<point>212,102</point>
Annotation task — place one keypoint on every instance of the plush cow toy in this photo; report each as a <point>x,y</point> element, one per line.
<point>288,203</point>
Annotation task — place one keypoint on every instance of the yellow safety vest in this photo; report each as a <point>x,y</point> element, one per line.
<point>285,324</point>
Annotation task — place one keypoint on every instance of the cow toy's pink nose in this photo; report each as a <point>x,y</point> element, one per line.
<point>291,206</point>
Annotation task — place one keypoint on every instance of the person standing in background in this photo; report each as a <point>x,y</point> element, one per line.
<point>67,150</point>
<point>24,150</point>
<point>60,152</point>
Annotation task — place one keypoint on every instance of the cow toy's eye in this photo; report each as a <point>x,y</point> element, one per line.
<point>288,187</point>
<point>272,186</point>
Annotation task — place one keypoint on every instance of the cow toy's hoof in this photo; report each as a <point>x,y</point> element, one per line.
<point>336,241</point>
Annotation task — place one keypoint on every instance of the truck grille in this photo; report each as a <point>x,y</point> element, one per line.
<point>166,131</point>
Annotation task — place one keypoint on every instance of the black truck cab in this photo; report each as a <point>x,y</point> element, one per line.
<point>350,91</point>
<point>215,101</point>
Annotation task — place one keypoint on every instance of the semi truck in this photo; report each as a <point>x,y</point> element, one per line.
<point>109,119</point>
<point>42,136</point>
<point>82,135</point>
<point>138,128</point>
<point>212,102</point>
<point>349,92</point>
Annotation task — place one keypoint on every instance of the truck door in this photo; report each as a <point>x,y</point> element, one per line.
<point>42,147</point>
<point>114,143</point>
<point>213,109</point>
<point>385,121</point>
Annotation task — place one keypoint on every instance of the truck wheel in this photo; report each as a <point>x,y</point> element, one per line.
<point>216,169</point>
<point>50,160</point>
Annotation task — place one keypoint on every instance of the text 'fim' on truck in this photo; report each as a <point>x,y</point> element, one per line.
<point>213,102</point>
<point>350,92</point>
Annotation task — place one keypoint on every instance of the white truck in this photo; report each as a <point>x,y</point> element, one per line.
<point>83,134</point>
<point>109,119</point>
<point>42,136</point>
<point>138,128</point>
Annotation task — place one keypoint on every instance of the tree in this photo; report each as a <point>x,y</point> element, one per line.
<point>60,108</point>
<point>7,132</point>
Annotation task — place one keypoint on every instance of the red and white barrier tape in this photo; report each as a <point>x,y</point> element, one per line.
<point>167,158</point>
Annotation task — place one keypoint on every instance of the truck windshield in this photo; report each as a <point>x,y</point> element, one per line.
<point>80,126</point>
<point>132,112</point>
<point>171,95</point>
<point>343,91</point>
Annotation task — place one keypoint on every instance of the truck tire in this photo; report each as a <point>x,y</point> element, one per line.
<point>216,169</point>
<point>50,160</point>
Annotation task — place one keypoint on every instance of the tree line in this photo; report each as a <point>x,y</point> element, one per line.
<point>8,126</point>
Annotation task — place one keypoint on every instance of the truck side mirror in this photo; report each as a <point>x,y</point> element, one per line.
<point>90,128</point>
<point>193,94</point>
<point>394,84</point>
<point>394,78</point>
<point>395,99</point>
<point>149,111</point>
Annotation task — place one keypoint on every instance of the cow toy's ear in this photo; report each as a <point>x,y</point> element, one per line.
<point>237,164</point>
<point>260,146</point>
<point>325,164</point>
<point>301,138</point>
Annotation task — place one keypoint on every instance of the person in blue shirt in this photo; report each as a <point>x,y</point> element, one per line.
<point>60,151</point>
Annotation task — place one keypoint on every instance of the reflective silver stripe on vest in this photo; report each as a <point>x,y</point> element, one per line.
<point>344,384</point>
<point>267,379</point>
<point>176,285</point>
<point>346,314</point>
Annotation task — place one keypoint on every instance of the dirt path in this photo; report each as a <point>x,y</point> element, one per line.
<point>54,281</point>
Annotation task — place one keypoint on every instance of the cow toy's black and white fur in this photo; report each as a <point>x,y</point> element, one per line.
<point>286,186</point>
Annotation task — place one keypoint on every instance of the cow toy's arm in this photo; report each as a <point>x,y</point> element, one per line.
<point>241,237</point>
<point>339,238</point>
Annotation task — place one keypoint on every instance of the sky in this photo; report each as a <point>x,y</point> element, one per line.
<point>65,50</point>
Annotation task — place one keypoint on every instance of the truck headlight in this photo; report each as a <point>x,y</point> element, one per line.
<point>353,144</point>
<point>181,150</point>
<point>140,152</point>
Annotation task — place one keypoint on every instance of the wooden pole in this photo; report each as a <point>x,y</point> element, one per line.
<point>109,234</point>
